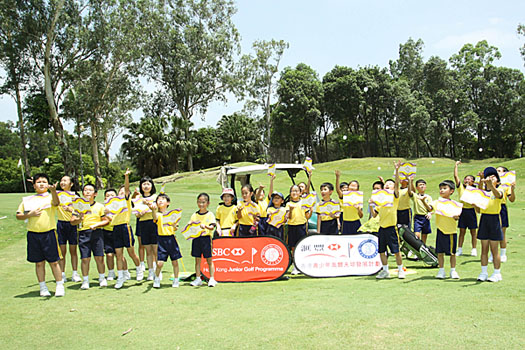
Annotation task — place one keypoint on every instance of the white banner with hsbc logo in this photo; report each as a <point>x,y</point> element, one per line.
<point>337,255</point>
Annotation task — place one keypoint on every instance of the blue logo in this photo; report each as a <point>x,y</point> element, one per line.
<point>368,249</point>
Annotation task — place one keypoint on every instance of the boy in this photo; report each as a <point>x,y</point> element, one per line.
<point>446,237</point>
<point>167,243</point>
<point>109,242</point>
<point>201,246</point>
<point>468,218</point>
<point>421,215</point>
<point>388,229</point>
<point>404,214</point>
<point>327,224</point>
<point>42,243</point>
<point>90,236</point>
<point>351,214</point>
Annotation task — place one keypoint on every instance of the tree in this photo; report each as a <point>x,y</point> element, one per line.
<point>260,70</point>
<point>409,65</point>
<point>521,31</point>
<point>209,151</point>
<point>189,51</point>
<point>239,137</point>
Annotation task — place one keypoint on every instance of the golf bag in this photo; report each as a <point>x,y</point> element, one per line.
<point>410,243</point>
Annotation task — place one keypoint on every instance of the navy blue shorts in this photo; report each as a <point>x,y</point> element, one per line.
<point>350,227</point>
<point>123,236</point>
<point>422,224</point>
<point>388,237</point>
<point>404,217</point>
<point>109,242</point>
<point>137,228</point>
<point>341,221</point>
<point>490,228</point>
<point>246,231</point>
<point>263,224</point>
<point>329,227</point>
<point>468,219</point>
<point>275,232</point>
<point>168,247</point>
<point>90,241</point>
<point>43,246</point>
<point>201,247</point>
<point>504,214</point>
<point>295,233</point>
<point>148,232</point>
<point>67,233</point>
<point>446,244</point>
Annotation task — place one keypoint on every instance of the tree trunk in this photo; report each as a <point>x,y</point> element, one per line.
<point>56,123</point>
<point>27,169</point>
<point>94,146</point>
<point>189,154</point>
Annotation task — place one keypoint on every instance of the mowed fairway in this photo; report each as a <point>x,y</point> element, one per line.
<point>352,312</point>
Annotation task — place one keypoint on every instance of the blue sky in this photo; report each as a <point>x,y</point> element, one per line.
<point>326,33</point>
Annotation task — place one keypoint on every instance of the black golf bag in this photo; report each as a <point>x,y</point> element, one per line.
<point>410,243</point>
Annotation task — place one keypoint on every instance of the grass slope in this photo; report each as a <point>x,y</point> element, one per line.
<point>353,312</point>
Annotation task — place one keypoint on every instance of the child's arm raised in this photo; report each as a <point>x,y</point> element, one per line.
<point>512,196</point>
<point>410,187</point>
<point>337,184</point>
<point>490,186</point>
<point>126,182</point>
<point>54,196</point>
<point>153,208</point>
<point>271,186</point>
<point>309,183</point>
<point>397,165</point>
<point>456,174</point>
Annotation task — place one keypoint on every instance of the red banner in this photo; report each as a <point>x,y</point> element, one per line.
<point>248,259</point>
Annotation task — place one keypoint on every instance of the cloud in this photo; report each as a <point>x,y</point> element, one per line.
<point>495,20</point>
<point>494,36</point>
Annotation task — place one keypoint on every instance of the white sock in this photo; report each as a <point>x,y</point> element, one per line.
<point>460,250</point>
<point>120,274</point>
<point>42,285</point>
<point>385,268</point>
<point>60,282</point>
<point>484,269</point>
<point>101,276</point>
<point>399,267</point>
<point>503,251</point>
<point>498,271</point>
<point>441,270</point>
<point>75,273</point>
<point>63,275</point>
<point>85,278</point>
<point>111,271</point>
<point>142,263</point>
<point>452,269</point>
<point>198,278</point>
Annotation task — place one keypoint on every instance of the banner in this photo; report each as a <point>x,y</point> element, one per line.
<point>448,207</point>
<point>116,205</point>
<point>406,170</point>
<point>271,169</point>
<point>476,196</point>
<point>508,178</point>
<point>328,208</point>
<point>66,198</point>
<point>172,217</point>
<point>383,198</point>
<point>309,201</point>
<point>351,198</point>
<point>308,165</point>
<point>37,201</point>
<point>337,256</point>
<point>248,259</point>
<point>81,205</point>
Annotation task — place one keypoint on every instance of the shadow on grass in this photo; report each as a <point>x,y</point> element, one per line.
<point>422,278</point>
<point>470,261</point>
<point>31,294</point>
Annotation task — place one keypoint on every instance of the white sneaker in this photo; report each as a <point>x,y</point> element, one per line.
<point>503,258</point>
<point>441,275</point>
<point>491,259</point>
<point>120,283</point>
<point>140,273</point>
<point>474,252</point>
<point>76,278</point>
<point>64,277</point>
<point>142,267</point>
<point>495,277</point>
<point>127,275</point>
<point>295,271</point>
<point>212,282</point>
<point>382,274</point>
<point>175,283</point>
<point>160,275</point>
<point>60,291</point>
<point>151,275</point>
<point>156,282</point>
<point>85,285</point>
<point>483,277</point>
<point>44,292</point>
<point>196,282</point>
<point>401,274</point>
<point>103,282</point>
<point>459,252</point>
<point>111,276</point>
<point>454,275</point>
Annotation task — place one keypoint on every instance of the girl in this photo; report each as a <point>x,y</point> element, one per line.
<point>90,236</point>
<point>297,220</point>
<point>67,232</point>
<point>351,214</point>
<point>201,246</point>
<point>305,187</point>
<point>277,216</point>
<point>490,232</point>
<point>226,214</point>
<point>146,227</point>
<point>511,195</point>
<point>109,244</point>
<point>263,201</point>
<point>468,218</point>
<point>248,213</point>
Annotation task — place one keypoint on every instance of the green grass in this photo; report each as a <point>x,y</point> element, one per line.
<point>353,312</point>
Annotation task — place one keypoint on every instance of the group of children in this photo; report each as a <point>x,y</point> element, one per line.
<point>99,231</point>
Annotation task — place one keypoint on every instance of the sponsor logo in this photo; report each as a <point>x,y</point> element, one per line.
<point>305,248</point>
<point>334,246</point>
<point>368,249</point>
<point>319,247</point>
<point>272,254</point>
<point>237,251</point>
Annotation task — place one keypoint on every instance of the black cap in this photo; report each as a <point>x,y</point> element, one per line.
<point>490,171</point>
<point>448,183</point>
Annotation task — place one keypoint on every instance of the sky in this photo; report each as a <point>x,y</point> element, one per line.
<point>351,33</point>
